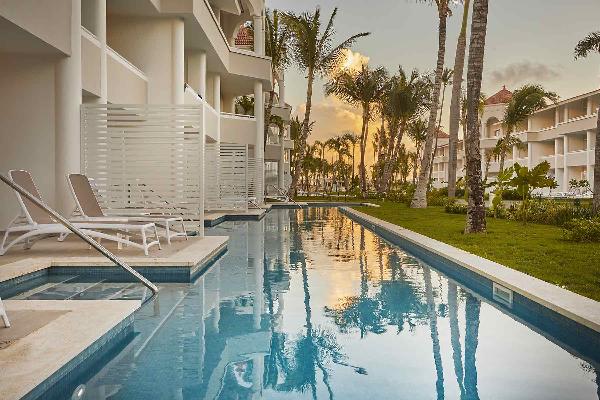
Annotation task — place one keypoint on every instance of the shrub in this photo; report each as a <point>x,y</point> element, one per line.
<point>452,207</point>
<point>583,230</point>
<point>550,212</point>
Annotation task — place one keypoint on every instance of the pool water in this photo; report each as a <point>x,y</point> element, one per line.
<point>310,305</point>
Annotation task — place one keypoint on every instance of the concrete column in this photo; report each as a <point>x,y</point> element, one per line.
<point>566,113</point>
<point>590,154</point>
<point>565,185</point>
<point>530,155</point>
<point>100,32</point>
<point>67,110</point>
<point>281,161</point>
<point>259,35</point>
<point>589,110</point>
<point>217,92</point>
<point>529,124</point>
<point>259,147</point>
<point>197,72</point>
<point>556,116</point>
<point>178,60</point>
<point>217,100</point>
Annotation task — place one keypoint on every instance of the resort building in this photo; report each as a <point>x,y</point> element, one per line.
<point>140,96</point>
<point>562,134</point>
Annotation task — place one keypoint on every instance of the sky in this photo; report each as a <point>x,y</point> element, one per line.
<point>528,41</point>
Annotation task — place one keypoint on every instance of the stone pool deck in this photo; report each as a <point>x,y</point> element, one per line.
<point>214,218</point>
<point>53,338</point>
<point>568,304</point>
<point>192,254</point>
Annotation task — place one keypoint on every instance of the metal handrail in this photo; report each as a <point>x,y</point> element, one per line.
<point>284,194</point>
<point>101,249</point>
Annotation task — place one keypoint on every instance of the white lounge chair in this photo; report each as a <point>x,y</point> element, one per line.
<point>89,208</point>
<point>4,315</point>
<point>33,223</point>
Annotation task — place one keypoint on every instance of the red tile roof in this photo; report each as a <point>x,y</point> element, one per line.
<point>442,135</point>
<point>502,97</point>
<point>245,37</point>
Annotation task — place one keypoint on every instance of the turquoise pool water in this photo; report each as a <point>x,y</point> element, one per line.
<point>310,305</point>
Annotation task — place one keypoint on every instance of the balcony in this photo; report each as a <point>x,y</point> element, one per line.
<point>551,160</point>
<point>577,124</point>
<point>283,112</point>
<point>127,84</point>
<point>577,158</point>
<point>239,129</point>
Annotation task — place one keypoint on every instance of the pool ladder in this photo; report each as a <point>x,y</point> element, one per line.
<point>63,221</point>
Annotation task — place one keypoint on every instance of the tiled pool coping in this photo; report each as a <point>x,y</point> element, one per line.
<point>177,273</point>
<point>529,292</point>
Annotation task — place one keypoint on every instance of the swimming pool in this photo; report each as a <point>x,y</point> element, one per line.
<point>307,304</point>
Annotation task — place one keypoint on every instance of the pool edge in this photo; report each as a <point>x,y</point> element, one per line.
<point>571,305</point>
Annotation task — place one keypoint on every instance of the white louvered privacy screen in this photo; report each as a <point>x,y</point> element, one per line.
<point>230,177</point>
<point>145,157</point>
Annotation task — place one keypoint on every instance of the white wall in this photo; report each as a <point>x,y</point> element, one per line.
<point>147,44</point>
<point>26,125</point>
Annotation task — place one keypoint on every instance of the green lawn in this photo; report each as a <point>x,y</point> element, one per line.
<point>537,250</point>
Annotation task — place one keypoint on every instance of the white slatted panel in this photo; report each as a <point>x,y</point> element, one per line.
<point>233,171</point>
<point>145,156</point>
<point>211,176</point>
<point>256,178</point>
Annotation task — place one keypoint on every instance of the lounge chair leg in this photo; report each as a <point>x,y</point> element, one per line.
<point>2,249</point>
<point>4,315</point>
<point>184,230</point>
<point>144,242</point>
<point>157,239</point>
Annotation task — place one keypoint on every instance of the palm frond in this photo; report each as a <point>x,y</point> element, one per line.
<point>589,44</point>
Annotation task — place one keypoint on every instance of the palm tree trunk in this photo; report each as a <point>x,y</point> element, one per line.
<point>455,336</point>
<point>459,66</point>
<point>472,311</point>
<point>435,337</point>
<point>420,197</point>
<point>476,206</point>
<point>268,112</point>
<point>596,201</point>
<point>363,142</point>
<point>304,132</point>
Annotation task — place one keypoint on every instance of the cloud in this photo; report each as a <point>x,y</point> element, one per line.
<point>524,71</point>
<point>354,60</point>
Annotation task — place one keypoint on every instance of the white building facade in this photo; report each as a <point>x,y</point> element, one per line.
<point>61,58</point>
<point>562,134</point>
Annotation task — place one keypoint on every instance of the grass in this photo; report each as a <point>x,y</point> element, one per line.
<point>537,250</point>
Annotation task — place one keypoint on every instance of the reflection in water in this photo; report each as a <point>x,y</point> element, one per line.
<point>310,305</point>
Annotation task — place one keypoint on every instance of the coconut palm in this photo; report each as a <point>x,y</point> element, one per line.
<point>352,141</point>
<point>338,145</point>
<point>313,51</point>
<point>524,102</point>
<point>417,131</point>
<point>591,44</point>
<point>420,197</point>
<point>408,96</point>
<point>276,46</point>
<point>476,207</point>
<point>361,88</point>
<point>446,80</point>
<point>459,66</point>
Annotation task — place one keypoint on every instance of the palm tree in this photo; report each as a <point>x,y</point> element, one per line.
<point>591,43</point>
<point>524,102</point>
<point>406,99</point>
<point>459,66</point>
<point>420,197</point>
<point>362,88</point>
<point>446,80</point>
<point>417,131</point>
<point>321,146</point>
<point>476,207</point>
<point>339,146</point>
<point>276,47</point>
<point>314,52</point>
<point>352,140</point>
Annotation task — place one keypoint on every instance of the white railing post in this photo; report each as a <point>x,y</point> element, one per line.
<point>4,315</point>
